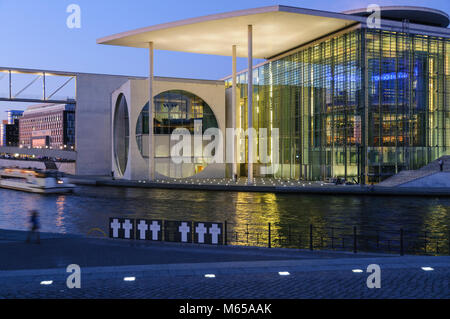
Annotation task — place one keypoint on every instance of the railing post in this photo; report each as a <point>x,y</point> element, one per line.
<point>332,238</point>
<point>300,240</point>
<point>225,235</point>
<point>401,241</point>
<point>247,234</point>
<point>289,235</point>
<point>426,242</point>
<point>270,238</point>
<point>311,246</point>
<point>355,249</point>
<point>448,242</point>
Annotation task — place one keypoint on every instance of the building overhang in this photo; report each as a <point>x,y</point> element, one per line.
<point>276,29</point>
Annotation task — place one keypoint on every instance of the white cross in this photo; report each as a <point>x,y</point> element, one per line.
<point>201,231</point>
<point>127,226</point>
<point>143,227</point>
<point>214,230</point>
<point>184,230</point>
<point>155,228</point>
<point>115,225</point>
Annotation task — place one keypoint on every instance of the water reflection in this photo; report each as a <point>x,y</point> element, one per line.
<point>60,201</point>
<point>91,207</point>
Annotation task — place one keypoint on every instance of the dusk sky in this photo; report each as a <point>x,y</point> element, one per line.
<point>34,33</point>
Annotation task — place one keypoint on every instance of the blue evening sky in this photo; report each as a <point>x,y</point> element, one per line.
<point>34,34</point>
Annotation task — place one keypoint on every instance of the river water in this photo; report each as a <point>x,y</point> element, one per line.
<point>91,207</point>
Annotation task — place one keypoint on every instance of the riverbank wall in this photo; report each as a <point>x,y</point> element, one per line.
<point>267,186</point>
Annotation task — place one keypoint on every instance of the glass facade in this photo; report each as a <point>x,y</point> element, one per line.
<point>408,94</point>
<point>362,105</point>
<point>175,109</point>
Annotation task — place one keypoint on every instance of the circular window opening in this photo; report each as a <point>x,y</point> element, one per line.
<point>175,109</point>
<point>121,134</point>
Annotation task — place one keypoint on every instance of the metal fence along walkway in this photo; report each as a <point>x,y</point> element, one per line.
<point>354,239</point>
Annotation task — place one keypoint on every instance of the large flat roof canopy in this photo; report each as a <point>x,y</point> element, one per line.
<point>276,29</point>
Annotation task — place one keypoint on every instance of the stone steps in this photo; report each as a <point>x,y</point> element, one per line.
<point>407,176</point>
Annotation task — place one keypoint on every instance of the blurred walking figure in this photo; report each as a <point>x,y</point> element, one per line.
<point>441,164</point>
<point>34,226</point>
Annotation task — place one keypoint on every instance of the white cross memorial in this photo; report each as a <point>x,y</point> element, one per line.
<point>201,231</point>
<point>142,227</point>
<point>214,230</point>
<point>127,226</point>
<point>115,225</point>
<point>155,228</point>
<point>184,230</point>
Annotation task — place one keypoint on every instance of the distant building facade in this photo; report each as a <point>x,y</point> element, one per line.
<point>48,126</point>
<point>12,133</point>
<point>9,129</point>
<point>3,132</point>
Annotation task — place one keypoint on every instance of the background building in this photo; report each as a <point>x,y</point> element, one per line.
<point>3,132</point>
<point>363,103</point>
<point>178,103</point>
<point>350,99</point>
<point>48,126</point>
<point>9,129</point>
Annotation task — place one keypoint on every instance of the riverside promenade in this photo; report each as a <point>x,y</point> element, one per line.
<point>264,185</point>
<point>169,270</point>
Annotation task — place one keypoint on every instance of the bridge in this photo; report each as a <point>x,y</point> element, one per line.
<point>37,86</point>
<point>40,152</point>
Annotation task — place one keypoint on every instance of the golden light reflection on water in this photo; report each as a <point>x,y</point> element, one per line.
<point>434,218</point>
<point>253,213</point>
<point>434,222</point>
<point>60,213</point>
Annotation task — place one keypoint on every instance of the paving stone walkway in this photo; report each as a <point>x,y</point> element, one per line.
<point>178,271</point>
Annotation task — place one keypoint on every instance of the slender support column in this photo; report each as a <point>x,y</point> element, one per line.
<point>250,105</point>
<point>43,86</point>
<point>366,113</point>
<point>10,85</point>
<point>233,113</point>
<point>151,137</point>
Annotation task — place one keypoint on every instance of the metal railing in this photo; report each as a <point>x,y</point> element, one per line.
<point>313,237</point>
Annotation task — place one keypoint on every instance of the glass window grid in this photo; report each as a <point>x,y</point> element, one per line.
<point>315,97</point>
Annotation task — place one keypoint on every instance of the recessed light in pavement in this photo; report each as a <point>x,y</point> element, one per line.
<point>427,269</point>
<point>46,282</point>
<point>357,270</point>
<point>129,279</point>
<point>283,273</point>
<point>210,276</point>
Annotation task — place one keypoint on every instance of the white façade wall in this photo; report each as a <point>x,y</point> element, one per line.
<point>136,94</point>
<point>93,122</point>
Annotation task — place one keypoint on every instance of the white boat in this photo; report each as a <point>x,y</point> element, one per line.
<point>34,181</point>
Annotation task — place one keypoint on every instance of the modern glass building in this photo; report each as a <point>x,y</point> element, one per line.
<point>9,128</point>
<point>351,98</point>
<point>359,104</point>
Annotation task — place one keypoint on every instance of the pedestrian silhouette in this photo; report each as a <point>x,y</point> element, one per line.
<point>441,165</point>
<point>34,226</point>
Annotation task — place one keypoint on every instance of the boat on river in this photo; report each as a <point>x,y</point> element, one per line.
<point>35,181</point>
